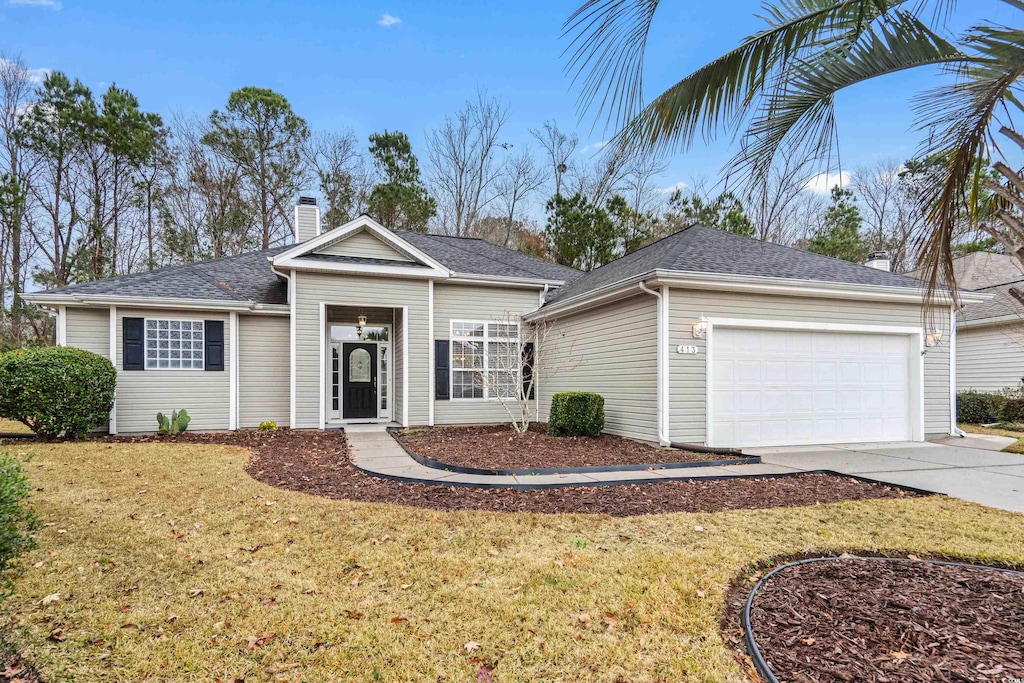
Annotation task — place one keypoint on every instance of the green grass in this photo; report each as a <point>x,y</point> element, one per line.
<point>163,562</point>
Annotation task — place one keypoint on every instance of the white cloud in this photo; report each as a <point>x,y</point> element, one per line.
<point>55,5</point>
<point>681,185</point>
<point>824,182</point>
<point>388,20</point>
<point>594,146</point>
<point>34,75</point>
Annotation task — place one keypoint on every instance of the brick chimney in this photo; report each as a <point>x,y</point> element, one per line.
<point>307,219</point>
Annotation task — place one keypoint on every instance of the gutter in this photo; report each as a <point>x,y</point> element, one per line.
<point>152,302</point>
<point>663,436</point>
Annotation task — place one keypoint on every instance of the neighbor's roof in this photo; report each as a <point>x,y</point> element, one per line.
<point>1002,304</point>
<point>249,277</point>
<point>699,249</point>
<point>982,269</point>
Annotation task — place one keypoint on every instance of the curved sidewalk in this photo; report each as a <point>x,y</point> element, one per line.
<point>376,452</point>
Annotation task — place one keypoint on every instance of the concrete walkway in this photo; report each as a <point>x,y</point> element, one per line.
<point>965,468</point>
<point>376,452</point>
<point>969,468</point>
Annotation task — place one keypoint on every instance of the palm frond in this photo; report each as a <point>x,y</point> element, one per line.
<point>799,111</point>
<point>606,50</point>
<point>960,118</point>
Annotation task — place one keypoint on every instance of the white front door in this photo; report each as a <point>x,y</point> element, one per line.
<point>772,387</point>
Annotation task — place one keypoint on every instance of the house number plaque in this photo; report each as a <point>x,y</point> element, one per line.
<point>688,349</point>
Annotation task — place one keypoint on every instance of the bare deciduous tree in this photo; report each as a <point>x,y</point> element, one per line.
<point>463,168</point>
<point>344,177</point>
<point>559,148</point>
<point>520,178</point>
<point>773,204</point>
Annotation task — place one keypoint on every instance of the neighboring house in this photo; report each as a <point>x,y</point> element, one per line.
<point>702,337</point>
<point>990,334</point>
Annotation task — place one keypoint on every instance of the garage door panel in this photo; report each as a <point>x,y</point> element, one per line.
<point>782,387</point>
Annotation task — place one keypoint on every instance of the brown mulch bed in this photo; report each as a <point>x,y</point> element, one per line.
<point>863,620</point>
<point>498,447</point>
<point>317,462</point>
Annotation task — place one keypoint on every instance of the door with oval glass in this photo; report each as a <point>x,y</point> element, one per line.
<point>359,380</point>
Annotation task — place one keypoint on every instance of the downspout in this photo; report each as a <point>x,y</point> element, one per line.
<point>952,373</point>
<point>663,437</point>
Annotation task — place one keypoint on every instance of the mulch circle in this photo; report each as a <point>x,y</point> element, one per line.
<point>858,619</point>
<point>317,462</point>
<point>498,447</point>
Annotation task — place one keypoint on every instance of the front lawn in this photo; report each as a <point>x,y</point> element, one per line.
<point>13,427</point>
<point>168,561</point>
<point>1016,431</point>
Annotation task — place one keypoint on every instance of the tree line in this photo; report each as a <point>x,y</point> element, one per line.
<point>92,185</point>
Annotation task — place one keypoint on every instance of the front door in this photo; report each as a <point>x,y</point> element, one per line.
<point>359,380</point>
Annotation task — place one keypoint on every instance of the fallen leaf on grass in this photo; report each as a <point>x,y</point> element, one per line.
<point>610,620</point>
<point>195,592</point>
<point>583,618</point>
<point>471,646</point>
<point>259,641</point>
<point>293,520</point>
<point>492,552</point>
<point>53,597</point>
<point>279,668</point>
<point>353,614</point>
<point>381,540</point>
<point>483,674</point>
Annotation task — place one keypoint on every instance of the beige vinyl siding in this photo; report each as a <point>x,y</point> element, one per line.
<point>264,351</point>
<point>687,373</point>
<point>364,245</point>
<point>312,289</point>
<point>487,304</point>
<point>989,358</point>
<point>613,351</point>
<point>141,394</point>
<point>89,329</point>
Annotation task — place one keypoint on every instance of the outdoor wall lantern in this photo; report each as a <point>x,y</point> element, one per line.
<point>360,324</point>
<point>700,328</point>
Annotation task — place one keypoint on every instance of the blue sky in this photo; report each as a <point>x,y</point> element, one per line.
<point>346,65</point>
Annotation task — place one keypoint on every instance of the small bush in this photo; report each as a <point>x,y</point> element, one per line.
<point>982,407</point>
<point>576,413</point>
<point>1011,410</point>
<point>57,391</point>
<point>175,424</point>
<point>17,521</point>
<point>268,426</point>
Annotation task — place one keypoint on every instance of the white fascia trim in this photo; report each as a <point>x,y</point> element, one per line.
<point>432,361</point>
<point>233,371</point>
<point>292,297</point>
<point>530,283</point>
<point>917,350</point>
<point>411,271</point>
<point>986,322</point>
<point>112,420</point>
<point>106,300</point>
<point>663,341</point>
<point>359,223</point>
<point>62,326</point>
<point>812,288</point>
<point>742,283</point>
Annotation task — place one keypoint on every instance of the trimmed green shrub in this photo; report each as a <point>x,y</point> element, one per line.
<point>576,413</point>
<point>268,426</point>
<point>1012,410</point>
<point>983,407</point>
<point>17,521</point>
<point>57,391</point>
<point>175,424</point>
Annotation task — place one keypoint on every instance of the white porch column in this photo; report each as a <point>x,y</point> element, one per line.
<point>233,370</point>
<point>112,421</point>
<point>430,346</point>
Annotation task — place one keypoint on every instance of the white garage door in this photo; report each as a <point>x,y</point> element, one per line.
<point>787,387</point>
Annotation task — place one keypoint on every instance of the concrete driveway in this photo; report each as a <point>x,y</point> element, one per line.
<point>964,468</point>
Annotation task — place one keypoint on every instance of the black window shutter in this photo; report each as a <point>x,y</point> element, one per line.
<point>133,348</point>
<point>528,384</point>
<point>441,365</point>
<point>214,344</point>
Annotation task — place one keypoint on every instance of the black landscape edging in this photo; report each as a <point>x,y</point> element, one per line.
<point>748,632</point>
<point>17,435</point>
<point>530,471</point>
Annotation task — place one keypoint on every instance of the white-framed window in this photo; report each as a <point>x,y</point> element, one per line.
<point>484,360</point>
<point>174,344</point>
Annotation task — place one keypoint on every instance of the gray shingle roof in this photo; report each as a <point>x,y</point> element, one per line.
<point>364,260</point>
<point>1000,305</point>
<point>700,249</point>
<point>242,278</point>
<point>474,256</point>
<point>249,278</point>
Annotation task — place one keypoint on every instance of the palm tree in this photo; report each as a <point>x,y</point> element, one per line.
<point>776,90</point>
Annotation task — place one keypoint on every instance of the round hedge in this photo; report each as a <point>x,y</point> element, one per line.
<point>576,413</point>
<point>57,391</point>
